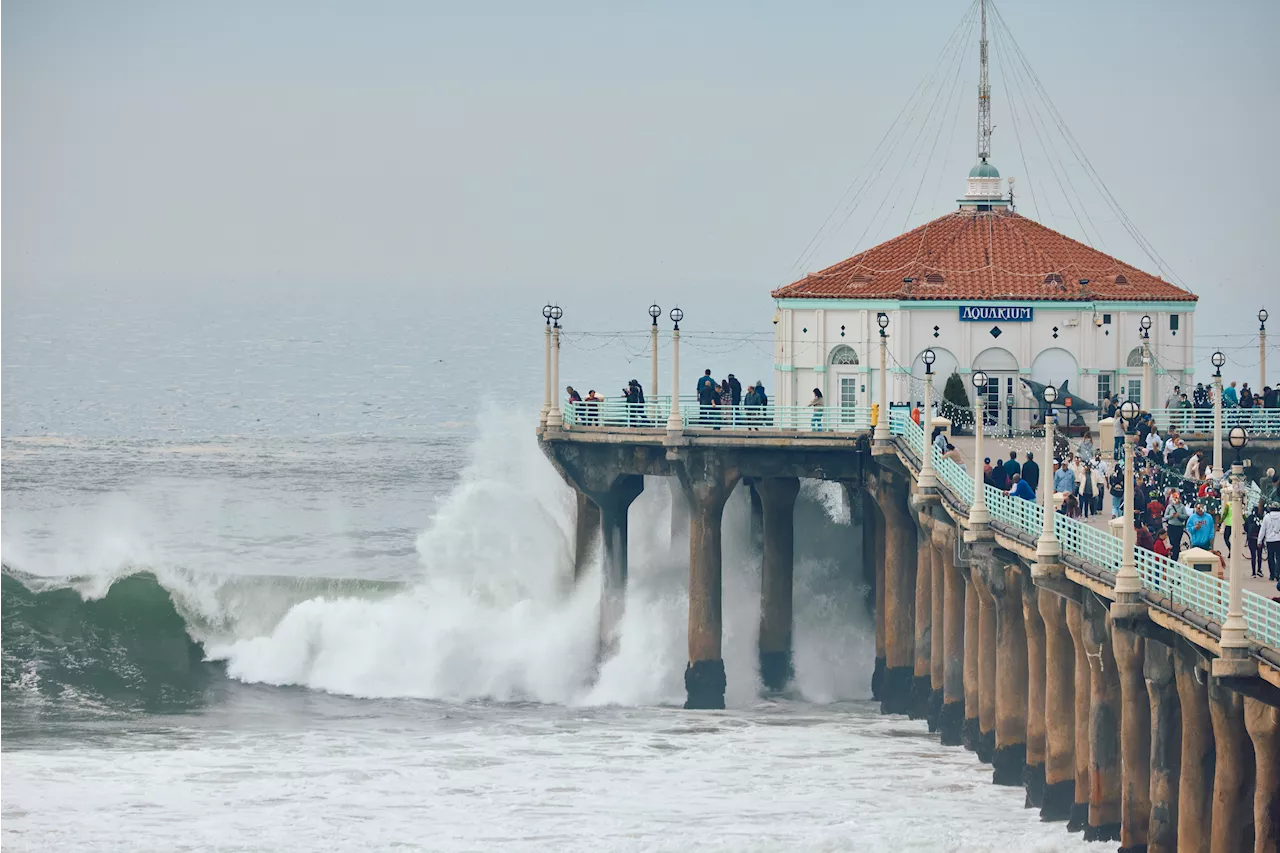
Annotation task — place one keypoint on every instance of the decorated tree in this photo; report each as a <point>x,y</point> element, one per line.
<point>955,403</point>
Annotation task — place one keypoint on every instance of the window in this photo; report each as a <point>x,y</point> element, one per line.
<point>844,355</point>
<point>1173,322</point>
<point>1105,384</point>
<point>1135,391</point>
<point>1106,319</point>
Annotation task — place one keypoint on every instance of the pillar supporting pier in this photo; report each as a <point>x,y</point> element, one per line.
<point>1059,708</point>
<point>900,560</point>
<point>614,502</point>
<point>951,717</point>
<point>707,483</point>
<point>1197,755</point>
<point>1232,771</point>
<point>777,497</point>
<point>873,546</point>
<point>587,530</point>
<point>1104,724</point>
<point>1009,759</point>
<point>1135,739</point>
<point>922,662</point>
<point>980,575</point>
<point>1083,695</point>
<point>972,732</point>
<point>1166,747</point>
<point>938,648</point>
<point>1037,736</point>
<point>1263,724</point>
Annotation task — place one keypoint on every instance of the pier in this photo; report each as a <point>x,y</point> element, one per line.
<point>1146,713</point>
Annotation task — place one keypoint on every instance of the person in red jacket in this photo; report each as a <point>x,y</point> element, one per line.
<point>1162,544</point>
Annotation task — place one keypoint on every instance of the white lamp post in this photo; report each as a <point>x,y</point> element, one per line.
<point>655,312</point>
<point>1128,584</point>
<point>979,518</point>
<point>882,425</point>
<point>555,418</point>
<point>1047,545</point>
<point>546,373</point>
<point>928,477</point>
<point>1218,359</point>
<point>1148,400</point>
<point>1262,349</point>
<point>674,421</point>
<point>1234,627</point>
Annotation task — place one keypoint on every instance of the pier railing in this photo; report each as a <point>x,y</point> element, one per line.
<point>653,414</point>
<point>1202,592</point>
<point>1261,423</point>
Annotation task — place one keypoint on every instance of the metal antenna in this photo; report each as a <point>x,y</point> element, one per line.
<point>984,92</point>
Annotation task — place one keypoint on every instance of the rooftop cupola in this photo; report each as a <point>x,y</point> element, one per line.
<point>984,187</point>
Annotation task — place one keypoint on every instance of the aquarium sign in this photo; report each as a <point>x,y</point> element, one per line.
<point>986,313</point>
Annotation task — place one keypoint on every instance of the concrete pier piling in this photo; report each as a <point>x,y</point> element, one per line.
<point>922,664</point>
<point>1166,748</point>
<point>873,519</point>
<point>951,722</point>
<point>1037,747</point>
<point>1083,691</point>
<point>987,686</point>
<point>1135,740</point>
<point>1263,724</point>
<point>1059,708</point>
<point>1009,759</point>
<point>614,504</point>
<point>777,501</point>
<point>899,593</point>
<point>1232,821</point>
<point>972,734</point>
<point>937,617</point>
<point>1104,725</point>
<point>587,530</point>
<point>707,484</point>
<point>1196,771</point>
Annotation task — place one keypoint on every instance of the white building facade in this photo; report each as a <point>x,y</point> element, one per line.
<point>985,289</point>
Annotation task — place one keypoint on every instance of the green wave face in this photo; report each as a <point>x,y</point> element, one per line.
<point>128,650</point>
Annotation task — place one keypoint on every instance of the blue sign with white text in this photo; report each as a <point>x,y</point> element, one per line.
<point>995,312</point>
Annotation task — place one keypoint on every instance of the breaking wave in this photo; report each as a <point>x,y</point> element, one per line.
<point>494,614</point>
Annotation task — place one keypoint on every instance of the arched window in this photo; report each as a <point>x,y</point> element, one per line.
<point>1135,357</point>
<point>844,355</point>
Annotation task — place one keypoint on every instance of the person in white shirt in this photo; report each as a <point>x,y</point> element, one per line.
<point>1269,533</point>
<point>1170,445</point>
<point>1153,442</point>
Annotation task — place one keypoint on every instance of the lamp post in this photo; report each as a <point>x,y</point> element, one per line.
<point>546,373</point>
<point>1218,359</point>
<point>1148,392</point>
<point>1010,411</point>
<point>979,518</point>
<point>1128,584</point>
<point>928,477</point>
<point>555,418</point>
<point>1047,547</point>
<point>882,424</point>
<point>1234,627</point>
<point>1262,349</point>
<point>674,422</point>
<point>655,312</point>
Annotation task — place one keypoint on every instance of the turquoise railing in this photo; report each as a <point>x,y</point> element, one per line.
<point>1259,422</point>
<point>615,413</point>
<point>1202,592</point>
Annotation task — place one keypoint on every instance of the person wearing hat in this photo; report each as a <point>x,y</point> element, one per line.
<point>1064,479</point>
<point>1269,534</point>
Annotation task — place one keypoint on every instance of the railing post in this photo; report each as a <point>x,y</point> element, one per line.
<point>928,478</point>
<point>653,368</point>
<point>1235,659</point>
<point>1217,423</point>
<point>979,518</point>
<point>546,376</point>
<point>674,422</point>
<point>1047,547</point>
<point>882,425</point>
<point>555,418</point>
<point>1128,584</point>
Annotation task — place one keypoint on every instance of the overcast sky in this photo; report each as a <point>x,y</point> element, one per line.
<point>593,150</point>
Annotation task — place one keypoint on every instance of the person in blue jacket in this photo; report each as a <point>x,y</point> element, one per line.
<point>1021,489</point>
<point>1200,528</point>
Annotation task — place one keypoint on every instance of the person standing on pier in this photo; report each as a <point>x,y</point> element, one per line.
<point>1031,472</point>
<point>1200,528</point>
<point>817,403</point>
<point>706,395</point>
<point>1021,489</point>
<point>1269,535</point>
<point>1012,467</point>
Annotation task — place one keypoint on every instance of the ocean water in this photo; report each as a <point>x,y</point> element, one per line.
<point>295,575</point>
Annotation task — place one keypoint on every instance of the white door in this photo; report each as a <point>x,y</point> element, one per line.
<point>848,400</point>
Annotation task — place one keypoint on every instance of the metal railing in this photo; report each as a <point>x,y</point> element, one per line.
<point>616,413</point>
<point>1202,592</point>
<point>1261,423</point>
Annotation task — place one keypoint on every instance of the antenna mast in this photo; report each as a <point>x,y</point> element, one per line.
<point>984,92</point>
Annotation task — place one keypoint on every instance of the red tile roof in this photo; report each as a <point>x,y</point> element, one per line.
<point>984,255</point>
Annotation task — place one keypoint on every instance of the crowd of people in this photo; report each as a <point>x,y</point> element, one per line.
<point>718,402</point>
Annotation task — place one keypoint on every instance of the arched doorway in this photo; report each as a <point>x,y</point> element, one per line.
<point>843,365</point>
<point>999,402</point>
